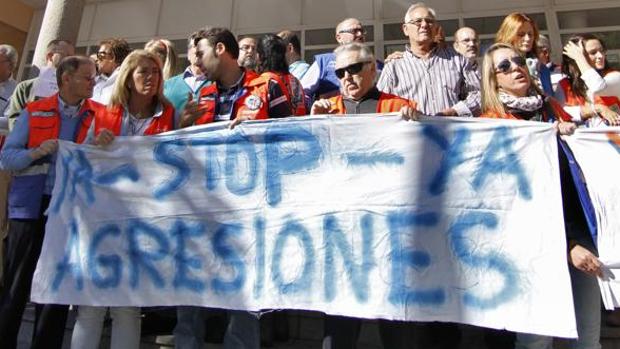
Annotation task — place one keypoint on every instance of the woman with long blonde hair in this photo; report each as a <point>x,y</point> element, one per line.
<point>508,90</point>
<point>509,93</point>
<point>164,49</point>
<point>137,108</point>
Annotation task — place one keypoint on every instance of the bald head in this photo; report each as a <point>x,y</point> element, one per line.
<point>466,42</point>
<point>350,30</point>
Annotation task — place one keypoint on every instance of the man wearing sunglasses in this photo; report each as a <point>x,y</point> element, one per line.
<point>355,67</point>
<point>442,81</point>
<point>356,72</point>
<point>26,90</point>
<point>110,56</point>
<point>319,81</point>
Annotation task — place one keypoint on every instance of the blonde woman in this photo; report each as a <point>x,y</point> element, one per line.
<point>508,92</point>
<point>164,49</point>
<point>137,108</point>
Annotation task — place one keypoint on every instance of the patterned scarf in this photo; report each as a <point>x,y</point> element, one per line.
<point>529,107</point>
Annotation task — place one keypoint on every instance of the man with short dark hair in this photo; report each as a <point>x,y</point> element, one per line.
<point>30,151</point>
<point>110,56</point>
<point>296,65</point>
<point>191,81</point>
<point>40,87</point>
<point>236,94</point>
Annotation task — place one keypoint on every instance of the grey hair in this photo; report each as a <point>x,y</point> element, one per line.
<point>339,25</point>
<point>418,5</point>
<point>543,41</point>
<point>11,53</point>
<point>364,51</point>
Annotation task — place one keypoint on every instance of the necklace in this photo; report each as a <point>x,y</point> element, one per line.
<point>137,126</point>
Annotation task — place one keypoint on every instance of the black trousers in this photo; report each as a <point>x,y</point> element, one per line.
<point>23,247</point>
<point>341,332</point>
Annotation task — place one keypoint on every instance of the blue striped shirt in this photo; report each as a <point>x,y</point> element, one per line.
<point>443,80</point>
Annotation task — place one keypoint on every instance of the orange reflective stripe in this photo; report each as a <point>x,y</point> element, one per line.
<point>390,103</point>
<point>44,120</point>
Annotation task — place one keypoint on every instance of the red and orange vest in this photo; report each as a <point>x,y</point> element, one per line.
<point>293,90</point>
<point>45,120</point>
<point>253,103</point>
<point>387,104</point>
<point>26,191</point>
<point>111,118</point>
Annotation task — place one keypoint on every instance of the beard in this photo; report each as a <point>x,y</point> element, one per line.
<point>249,63</point>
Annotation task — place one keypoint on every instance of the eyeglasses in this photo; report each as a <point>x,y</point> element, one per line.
<point>246,48</point>
<point>353,31</point>
<point>351,69</point>
<point>103,55</point>
<point>418,22</point>
<point>505,65</point>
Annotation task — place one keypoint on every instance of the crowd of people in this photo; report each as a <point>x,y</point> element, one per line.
<point>120,92</point>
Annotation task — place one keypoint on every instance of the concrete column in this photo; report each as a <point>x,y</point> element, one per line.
<point>61,20</point>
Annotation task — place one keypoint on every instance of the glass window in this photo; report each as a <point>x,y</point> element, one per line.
<point>180,45</point>
<point>137,45</point>
<point>81,50</point>
<point>490,25</point>
<point>327,36</point>
<point>589,18</point>
<point>389,49</point>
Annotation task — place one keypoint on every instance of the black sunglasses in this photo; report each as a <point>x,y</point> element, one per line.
<point>351,69</point>
<point>505,65</point>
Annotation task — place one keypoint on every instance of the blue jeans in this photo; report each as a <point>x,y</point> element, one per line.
<point>243,331</point>
<point>587,301</point>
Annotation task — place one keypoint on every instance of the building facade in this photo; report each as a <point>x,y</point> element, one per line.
<point>140,20</point>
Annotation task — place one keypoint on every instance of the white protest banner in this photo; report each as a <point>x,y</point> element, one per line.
<point>446,219</point>
<point>597,151</point>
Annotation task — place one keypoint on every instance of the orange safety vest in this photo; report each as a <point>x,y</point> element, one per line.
<point>44,122</point>
<point>252,103</point>
<point>111,118</point>
<point>573,100</point>
<point>293,90</point>
<point>387,104</point>
<point>552,105</point>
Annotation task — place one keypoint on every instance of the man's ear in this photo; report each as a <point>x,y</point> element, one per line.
<point>220,48</point>
<point>338,38</point>
<point>65,78</point>
<point>48,56</point>
<point>405,30</point>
